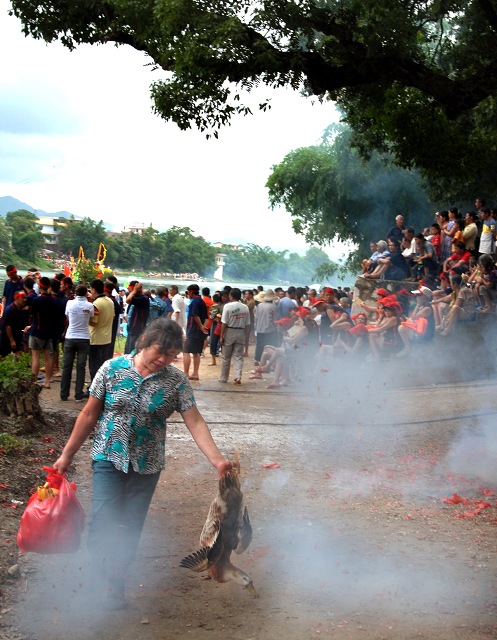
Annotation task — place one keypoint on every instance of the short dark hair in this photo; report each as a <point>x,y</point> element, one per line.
<point>81,290</point>
<point>59,276</point>
<point>98,285</point>
<point>164,333</point>
<point>193,287</point>
<point>235,293</point>
<point>206,291</point>
<point>460,245</point>
<point>29,283</point>
<point>55,285</point>
<point>67,280</point>
<point>9,267</point>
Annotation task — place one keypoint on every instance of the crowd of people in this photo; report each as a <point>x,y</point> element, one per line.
<point>452,244</point>
<point>293,332</point>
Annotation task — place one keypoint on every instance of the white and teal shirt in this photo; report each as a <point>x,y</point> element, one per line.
<point>132,426</point>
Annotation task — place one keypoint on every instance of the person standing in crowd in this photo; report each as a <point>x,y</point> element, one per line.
<point>43,328</point>
<point>235,333</point>
<point>79,312</point>
<point>287,303</point>
<point>470,232</point>
<point>206,297</point>
<point>59,323</point>
<point>163,294</point>
<point>488,231</point>
<point>397,231</point>
<point>109,292</point>
<point>179,307</point>
<point>138,310</point>
<point>12,285</point>
<point>12,325</point>
<point>100,327</point>
<point>130,401</point>
<point>265,329</point>
<point>215,315</point>
<point>29,288</point>
<point>196,331</point>
<point>156,308</point>
<point>35,275</point>
<point>249,300</point>
<point>67,288</point>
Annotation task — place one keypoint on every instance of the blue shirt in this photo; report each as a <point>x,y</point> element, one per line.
<point>285,305</point>
<point>10,288</point>
<point>198,308</point>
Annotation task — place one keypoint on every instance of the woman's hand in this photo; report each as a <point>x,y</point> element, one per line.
<point>62,464</point>
<point>224,467</point>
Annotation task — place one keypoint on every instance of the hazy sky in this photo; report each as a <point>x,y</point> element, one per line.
<point>77,133</point>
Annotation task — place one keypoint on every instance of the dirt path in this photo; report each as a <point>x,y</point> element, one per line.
<point>352,537</point>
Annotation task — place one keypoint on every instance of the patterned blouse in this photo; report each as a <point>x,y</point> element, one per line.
<point>132,426</point>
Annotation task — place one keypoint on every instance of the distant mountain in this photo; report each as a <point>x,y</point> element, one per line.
<point>7,204</point>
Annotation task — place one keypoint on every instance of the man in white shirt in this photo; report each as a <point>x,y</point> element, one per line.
<point>179,307</point>
<point>77,342</point>
<point>235,333</point>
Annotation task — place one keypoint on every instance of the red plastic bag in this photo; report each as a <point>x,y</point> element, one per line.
<point>53,524</point>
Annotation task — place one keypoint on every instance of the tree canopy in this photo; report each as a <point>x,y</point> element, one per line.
<point>332,194</point>
<point>26,236</point>
<point>176,250</point>
<point>75,233</point>
<point>262,264</point>
<point>415,77</point>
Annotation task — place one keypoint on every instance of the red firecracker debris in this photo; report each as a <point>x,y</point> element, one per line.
<point>479,505</point>
<point>456,499</point>
<point>271,465</point>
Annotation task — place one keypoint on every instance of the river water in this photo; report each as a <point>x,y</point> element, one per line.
<point>213,285</point>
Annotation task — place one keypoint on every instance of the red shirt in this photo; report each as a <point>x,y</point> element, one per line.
<point>208,303</point>
<point>456,257</point>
